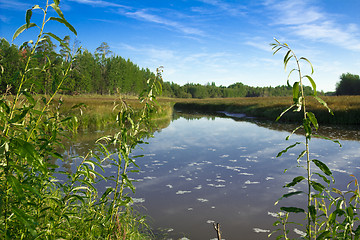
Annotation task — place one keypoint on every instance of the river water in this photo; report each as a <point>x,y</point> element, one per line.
<point>202,170</point>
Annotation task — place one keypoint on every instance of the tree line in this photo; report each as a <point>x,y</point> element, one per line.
<point>102,72</point>
<point>92,73</point>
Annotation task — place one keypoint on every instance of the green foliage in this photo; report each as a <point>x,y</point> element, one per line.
<point>327,217</point>
<point>349,85</point>
<point>192,90</point>
<point>92,73</point>
<point>35,201</point>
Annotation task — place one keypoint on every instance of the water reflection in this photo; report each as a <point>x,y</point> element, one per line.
<point>205,169</point>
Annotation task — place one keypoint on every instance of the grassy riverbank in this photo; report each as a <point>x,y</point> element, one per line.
<point>99,111</point>
<point>346,108</point>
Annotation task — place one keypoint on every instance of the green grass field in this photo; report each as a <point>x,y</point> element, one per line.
<point>100,110</point>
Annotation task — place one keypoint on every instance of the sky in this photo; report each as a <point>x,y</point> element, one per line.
<point>205,41</point>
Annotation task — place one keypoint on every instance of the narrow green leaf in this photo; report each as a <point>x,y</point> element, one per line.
<point>313,119</point>
<point>57,2</point>
<point>290,194</point>
<point>326,138</point>
<point>16,186</point>
<point>317,186</point>
<point>287,60</point>
<point>323,167</point>
<point>288,78</point>
<point>63,21</point>
<point>57,9</point>
<point>350,212</point>
<point>54,36</point>
<point>296,92</point>
<point>106,193</point>
<point>323,178</point>
<point>312,69</point>
<point>297,128</point>
<point>292,209</point>
<point>285,150</point>
<point>279,48</point>
<point>22,28</point>
<point>324,104</point>
<point>277,119</point>
<point>28,17</point>
<point>312,84</point>
<point>295,181</point>
<point>286,56</point>
<point>307,127</point>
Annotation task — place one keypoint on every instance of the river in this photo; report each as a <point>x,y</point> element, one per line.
<point>201,170</point>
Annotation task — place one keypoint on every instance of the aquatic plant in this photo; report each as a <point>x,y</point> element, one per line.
<point>327,217</point>
<point>39,201</point>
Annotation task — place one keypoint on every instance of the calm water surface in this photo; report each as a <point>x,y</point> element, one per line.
<point>211,169</point>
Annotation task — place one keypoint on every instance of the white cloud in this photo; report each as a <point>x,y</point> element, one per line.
<point>143,15</point>
<point>234,10</point>
<point>329,32</point>
<point>100,3</point>
<point>303,19</point>
<point>14,5</point>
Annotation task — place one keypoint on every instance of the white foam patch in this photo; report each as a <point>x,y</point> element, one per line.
<point>169,186</point>
<point>210,221</point>
<point>149,178</point>
<point>150,155</point>
<point>301,233</point>
<point>246,174</point>
<point>190,209</point>
<point>269,178</point>
<point>251,160</point>
<point>138,200</point>
<point>179,148</point>
<point>188,179</point>
<point>249,182</point>
<point>216,185</point>
<point>224,156</point>
<point>233,160</point>
<point>259,230</point>
<point>198,187</point>
<point>202,200</point>
<point>180,192</point>
<point>219,180</point>
<point>339,170</point>
<point>236,169</point>
<point>212,149</point>
<point>276,215</point>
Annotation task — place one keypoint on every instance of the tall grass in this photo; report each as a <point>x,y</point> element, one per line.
<point>35,203</point>
<point>346,109</point>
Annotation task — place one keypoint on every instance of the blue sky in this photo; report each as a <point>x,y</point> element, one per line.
<point>201,41</point>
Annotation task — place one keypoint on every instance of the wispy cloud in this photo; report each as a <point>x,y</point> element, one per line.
<point>14,5</point>
<point>4,19</point>
<point>233,10</point>
<point>310,22</point>
<point>100,3</point>
<point>145,16</point>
